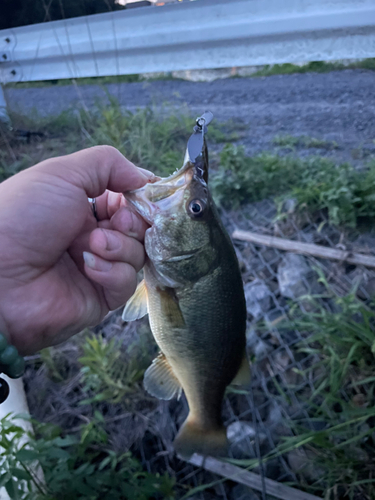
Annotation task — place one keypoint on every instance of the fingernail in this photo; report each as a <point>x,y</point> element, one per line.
<point>96,263</point>
<point>132,234</point>
<point>151,177</point>
<point>145,172</point>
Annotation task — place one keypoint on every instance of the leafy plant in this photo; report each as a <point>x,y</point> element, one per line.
<point>152,139</point>
<point>316,183</point>
<point>242,178</point>
<point>143,137</point>
<point>107,374</point>
<point>147,137</point>
<point>74,466</point>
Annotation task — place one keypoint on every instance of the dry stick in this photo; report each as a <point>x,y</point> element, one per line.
<point>250,479</point>
<point>305,248</point>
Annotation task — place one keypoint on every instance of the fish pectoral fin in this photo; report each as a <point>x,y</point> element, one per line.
<point>136,306</point>
<point>243,376</point>
<point>160,380</point>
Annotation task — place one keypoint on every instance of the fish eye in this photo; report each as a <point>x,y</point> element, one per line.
<point>196,208</point>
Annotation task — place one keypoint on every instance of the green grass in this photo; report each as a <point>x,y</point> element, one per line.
<point>338,456</point>
<point>344,341</point>
<point>314,66</point>
<point>346,194</point>
<point>153,139</point>
<point>303,141</point>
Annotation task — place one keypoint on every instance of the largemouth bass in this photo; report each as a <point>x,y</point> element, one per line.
<point>193,293</point>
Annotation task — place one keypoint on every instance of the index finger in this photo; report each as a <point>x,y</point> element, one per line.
<point>128,222</point>
<point>96,169</point>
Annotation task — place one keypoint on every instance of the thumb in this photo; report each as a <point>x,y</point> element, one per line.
<point>96,169</point>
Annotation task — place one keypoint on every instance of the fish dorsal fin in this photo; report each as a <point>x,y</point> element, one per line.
<point>243,376</point>
<point>136,306</point>
<point>160,380</point>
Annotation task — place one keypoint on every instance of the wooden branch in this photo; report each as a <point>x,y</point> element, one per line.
<point>305,248</point>
<point>250,479</point>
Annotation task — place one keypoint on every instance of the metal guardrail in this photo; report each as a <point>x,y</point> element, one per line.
<point>189,35</point>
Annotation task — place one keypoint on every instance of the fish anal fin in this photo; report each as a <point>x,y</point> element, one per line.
<point>160,380</point>
<point>194,438</point>
<point>136,306</point>
<point>243,376</point>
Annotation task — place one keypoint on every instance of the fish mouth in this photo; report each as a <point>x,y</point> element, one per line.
<point>183,256</point>
<point>164,195</point>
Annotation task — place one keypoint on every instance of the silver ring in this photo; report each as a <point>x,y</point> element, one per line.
<point>92,202</point>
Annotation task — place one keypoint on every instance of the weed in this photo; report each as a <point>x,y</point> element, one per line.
<point>241,178</point>
<point>54,363</point>
<point>75,466</point>
<point>7,169</point>
<point>223,133</point>
<point>303,141</point>
<point>285,141</point>
<point>337,434</point>
<point>107,375</point>
<point>155,144</point>
<point>155,140</point>
<point>313,142</point>
<point>316,183</point>
<point>314,66</point>
<point>343,338</point>
<point>96,80</point>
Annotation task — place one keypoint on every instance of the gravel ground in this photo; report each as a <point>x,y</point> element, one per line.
<point>337,106</point>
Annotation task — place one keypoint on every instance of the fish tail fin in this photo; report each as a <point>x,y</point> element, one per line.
<point>194,438</point>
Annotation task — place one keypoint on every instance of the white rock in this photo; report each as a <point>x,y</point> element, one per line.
<point>292,274</point>
<point>258,298</point>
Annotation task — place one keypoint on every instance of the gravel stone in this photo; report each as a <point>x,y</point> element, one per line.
<point>258,298</point>
<point>292,275</point>
<point>241,435</point>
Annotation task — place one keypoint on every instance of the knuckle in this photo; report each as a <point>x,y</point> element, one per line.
<point>105,150</point>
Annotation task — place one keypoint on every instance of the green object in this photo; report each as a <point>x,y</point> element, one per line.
<point>17,368</point>
<point>9,355</point>
<point>11,363</point>
<point>3,342</point>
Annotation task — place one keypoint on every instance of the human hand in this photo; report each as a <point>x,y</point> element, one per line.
<point>47,291</point>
